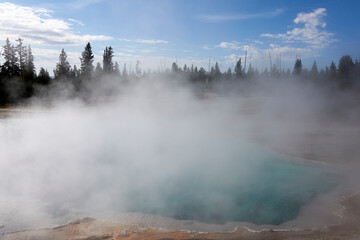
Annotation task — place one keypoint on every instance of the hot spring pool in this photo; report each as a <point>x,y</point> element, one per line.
<point>208,176</point>
<point>270,191</point>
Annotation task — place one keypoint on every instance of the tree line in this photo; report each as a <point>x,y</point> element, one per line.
<point>19,80</point>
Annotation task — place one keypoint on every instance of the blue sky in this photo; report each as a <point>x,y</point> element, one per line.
<point>158,32</point>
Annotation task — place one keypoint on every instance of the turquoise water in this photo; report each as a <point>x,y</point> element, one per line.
<point>260,191</point>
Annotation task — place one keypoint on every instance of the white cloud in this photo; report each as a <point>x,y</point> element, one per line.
<point>232,45</point>
<point>289,53</point>
<point>38,26</point>
<point>233,57</point>
<point>151,41</point>
<point>82,3</point>
<point>146,41</point>
<point>268,35</point>
<point>313,18</point>
<point>205,47</point>
<point>253,54</point>
<point>76,21</point>
<point>222,18</point>
<point>312,33</point>
<point>258,42</point>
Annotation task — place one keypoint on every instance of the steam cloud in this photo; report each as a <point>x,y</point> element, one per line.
<point>78,157</point>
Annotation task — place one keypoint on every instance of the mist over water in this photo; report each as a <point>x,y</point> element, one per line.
<point>273,193</point>
<point>157,148</point>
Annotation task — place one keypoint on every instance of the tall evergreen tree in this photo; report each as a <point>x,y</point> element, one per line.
<point>138,68</point>
<point>238,69</point>
<point>108,65</point>
<point>117,69</point>
<point>202,74</point>
<point>43,77</point>
<point>212,73</point>
<point>63,68</point>
<point>29,63</point>
<point>87,59</point>
<point>217,72</point>
<point>28,73</point>
<point>298,67</point>
<point>98,71</point>
<point>10,67</point>
<point>228,74</point>
<point>332,70</point>
<point>346,67</point>
<point>75,72</point>
<point>22,53</point>
<point>314,70</point>
<point>174,67</point>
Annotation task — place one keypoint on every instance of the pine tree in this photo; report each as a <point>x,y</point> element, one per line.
<point>98,68</point>
<point>29,63</point>
<point>75,72</point>
<point>174,67</point>
<point>43,77</point>
<point>28,72</point>
<point>298,67</point>
<point>217,72</point>
<point>314,69</point>
<point>195,74</point>
<point>332,70</point>
<point>228,74</point>
<point>108,65</point>
<point>63,68</point>
<point>327,71</point>
<point>117,69</point>
<point>76,78</point>
<point>87,59</point>
<point>22,53</point>
<point>138,68</point>
<point>346,67</point>
<point>98,71</point>
<point>202,74</point>
<point>10,68</point>
<point>212,73</point>
<point>238,69</point>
